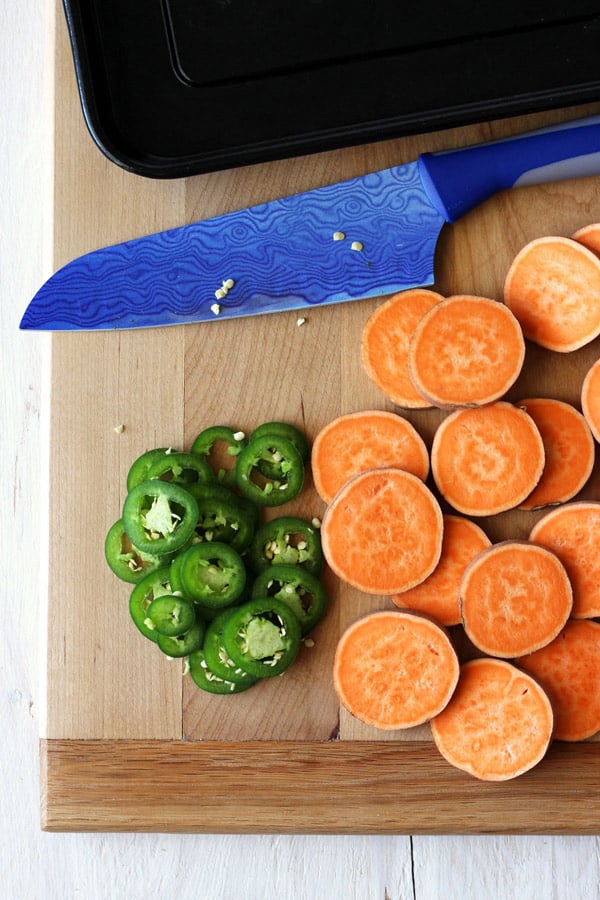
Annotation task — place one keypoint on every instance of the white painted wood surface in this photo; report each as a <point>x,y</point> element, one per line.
<point>47,866</point>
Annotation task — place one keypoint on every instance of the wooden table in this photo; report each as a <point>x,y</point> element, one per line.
<point>117,705</point>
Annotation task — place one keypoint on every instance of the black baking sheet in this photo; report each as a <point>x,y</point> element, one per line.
<point>171,88</point>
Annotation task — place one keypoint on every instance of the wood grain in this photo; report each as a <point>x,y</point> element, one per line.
<point>306,787</point>
<point>128,743</point>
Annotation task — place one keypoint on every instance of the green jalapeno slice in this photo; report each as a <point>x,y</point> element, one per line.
<point>154,584</point>
<point>296,586</point>
<point>212,574</point>
<point>217,659</point>
<point>170,615</point>
<point>262,636</point>
<point>138,470</point>
<point>224,516</point>
<point>261,489</point>
<point>182,645</point>
<point>287,540</point>
<point>219,445</point>
<point>159,516</point>
<point>181,468</point>
<point>271,467</point>
<point>125,561</point>
<point>206,680</point>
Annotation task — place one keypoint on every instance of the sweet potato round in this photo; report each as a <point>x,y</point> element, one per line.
<point>395,669</point>
<point>498,724</point>
<point>382,532</point>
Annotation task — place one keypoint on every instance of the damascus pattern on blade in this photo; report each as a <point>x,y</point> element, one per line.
<point>276,256</point>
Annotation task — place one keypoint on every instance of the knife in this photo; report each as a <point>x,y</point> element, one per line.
<point>366,237</point>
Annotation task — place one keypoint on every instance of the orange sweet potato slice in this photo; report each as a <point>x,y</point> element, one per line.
<point>394,669</point>
<point>515,597</point>
<point>589,236</point>
<point>553,288</point>
<point>569,669</point>
<point>466,351</point>
<point>572,532</point>
<point>365,440</point>
<point>590,398</point>
<point>385,340</point>
<point>568,448</point>
<point>487,459</point>
<point>498,724</point>
<point>438,595</point>
<point>382,532</point>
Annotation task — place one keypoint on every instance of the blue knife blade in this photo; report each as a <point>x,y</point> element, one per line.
<point>365,237</point>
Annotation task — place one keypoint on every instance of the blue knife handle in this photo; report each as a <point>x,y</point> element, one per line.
<point>458,180</point>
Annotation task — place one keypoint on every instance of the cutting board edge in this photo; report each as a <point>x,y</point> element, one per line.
<point>248,788</point>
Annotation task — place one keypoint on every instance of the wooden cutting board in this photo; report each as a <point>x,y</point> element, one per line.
<point>129,743</point>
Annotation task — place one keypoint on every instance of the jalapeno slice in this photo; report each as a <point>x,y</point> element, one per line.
<point>224,516</point>
<point>138,470</point>
<point>219,445</point>
<point>125,561</point>
<point>262,636</point>
<point>287,540</point>
<point>272,467</point>
<point>154,584</point>
<point>159,516</point>
<point>208,681</point>
<point>261,489</point>
<point>181,468</point>
<point>217,658</point>
<point>212,574</point>
<point>183,644</point>
<point>298,588</point>
<point>170,615</point>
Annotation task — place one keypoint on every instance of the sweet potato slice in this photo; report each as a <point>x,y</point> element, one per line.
<point>385,340</point>
<point>569,669</point>
<point>553,288</point>
<point>589,236</point>
<point>438,595</point>
<point>394,669</point>
<point>590,398</point>
<point>568,448</point>
<point>572,532</point>
<point>466,351</point>
<point>382,532</point>
<point>515,597</point>
<point>365,440</point>
<point>487,459</point>
<point>498,723</point>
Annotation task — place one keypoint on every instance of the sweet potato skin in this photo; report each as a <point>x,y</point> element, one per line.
<point>395,669</point>
<point>498,724</point>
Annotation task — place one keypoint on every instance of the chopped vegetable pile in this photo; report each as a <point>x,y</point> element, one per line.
<point>518,607</point>
<point>213,583</point>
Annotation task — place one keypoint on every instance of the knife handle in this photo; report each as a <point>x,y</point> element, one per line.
<point>458,180</point>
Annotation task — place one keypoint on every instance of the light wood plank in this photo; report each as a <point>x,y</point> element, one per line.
<point>305,787</point>
<point>101,680</point>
